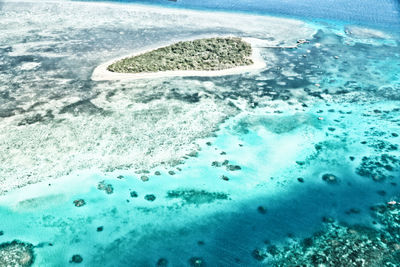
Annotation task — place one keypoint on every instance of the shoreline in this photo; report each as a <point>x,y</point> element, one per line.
<point>101,73</point>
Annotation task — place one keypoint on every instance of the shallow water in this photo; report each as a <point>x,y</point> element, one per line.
<point>241,159</point>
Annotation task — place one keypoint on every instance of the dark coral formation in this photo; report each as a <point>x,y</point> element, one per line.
<point>79,202</point>
<point>233,167</point>
<point>344,245</point>
<point>224,177</point>
<point>197,197</point>
<point>82,107</point>
<point>144,178</point>
<point>383,146</point>
<point>162,262</point>
<point>380,167</point>
<point>133,194</point>
<point>108,188</point>
<point>262,209</point>
<point>330,178</point>
<point>37,118</point>
<point>150,197</point>
<point>208,54</point>
<point>76,258</point>
<point>196,262</point>
<point>16,253</point>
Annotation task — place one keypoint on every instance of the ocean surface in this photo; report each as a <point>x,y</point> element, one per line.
<point>384,13</point>
<point>294,164</point>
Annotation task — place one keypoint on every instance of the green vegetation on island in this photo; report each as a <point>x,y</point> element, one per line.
<point>208,54</point>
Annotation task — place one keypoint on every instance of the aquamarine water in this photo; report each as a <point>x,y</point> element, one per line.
<point>248,154</point>
<point>365,12</point>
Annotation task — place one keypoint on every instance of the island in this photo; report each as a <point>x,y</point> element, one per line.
<point>201,57</point>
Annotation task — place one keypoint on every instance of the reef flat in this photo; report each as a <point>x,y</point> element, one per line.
<point>203,54</point>
<point>50,106</point>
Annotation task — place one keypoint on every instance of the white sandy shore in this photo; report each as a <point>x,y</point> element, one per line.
<point>101,73</point>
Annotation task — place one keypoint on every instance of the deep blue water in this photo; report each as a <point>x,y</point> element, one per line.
<point>382,14</point>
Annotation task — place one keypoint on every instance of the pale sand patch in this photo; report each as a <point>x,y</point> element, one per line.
<point>133,136</point>
<point>365,33</point>
<point>101,73</point>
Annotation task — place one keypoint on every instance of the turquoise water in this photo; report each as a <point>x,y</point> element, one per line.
<point>196,205</point>
<point>383,14</point>
<point>251,183</point>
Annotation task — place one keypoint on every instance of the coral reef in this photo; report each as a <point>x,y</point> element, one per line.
<point>378,168</point>
<point>197,197</point>
<point>79,202</point>
<point>340,244</point>
<point>16,254</point>
<point>330,178</point>
<point>76,258</point>
<point>108,188</point>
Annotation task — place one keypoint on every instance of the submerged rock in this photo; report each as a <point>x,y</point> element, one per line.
<point>328,219</point>
<point>233,167</point>
<point>344,245</point>
<point>383,146</point>
<point>379,167</point>
<point>197,197</point>
<point>108,188</point>
<point>79,203</point>
<point>196,262</point>
<point>301,180</point>
<point>150,197</point>
<point>353,211</point>
<point>82,107</point>
<point>16,254</point>
<point>258,254</point>
<point>194,154</point>
<point>225,178</point>
<point>216,164</point>
<point>330,178</point>
<point>76,258</point>
<point>262,209</point>
<point>144,178</point>
<point>36,118</point>
<point>162,262</point>
<point>134,194</point>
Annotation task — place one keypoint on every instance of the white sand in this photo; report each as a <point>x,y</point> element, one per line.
<point>101,73</point>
